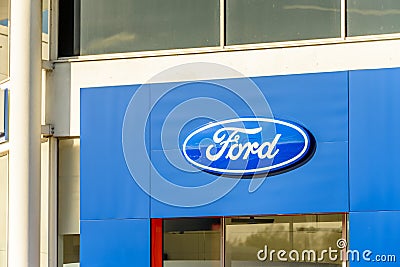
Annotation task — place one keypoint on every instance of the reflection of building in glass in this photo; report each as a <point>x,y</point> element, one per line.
<point>200,241</point>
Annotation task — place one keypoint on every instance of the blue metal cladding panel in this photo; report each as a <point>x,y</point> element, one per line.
<point>107,188</point>
<point>377,232</point>
<point>374,139</point>
<point>318,102</point>
<point>318,186</point>
<point>119,243</point>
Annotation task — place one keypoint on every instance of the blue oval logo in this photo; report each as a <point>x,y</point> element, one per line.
<point>248,147</point>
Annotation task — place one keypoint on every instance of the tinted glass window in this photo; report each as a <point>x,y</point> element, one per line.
<point>71,246</point>
<point>260,21</point>
<point>192,242</point>
<point>365,17</point>
<point>68,28</point>
<point>68,201</point>
<point>45,29</point>
<point>137,25</point>
<point>302,237</point>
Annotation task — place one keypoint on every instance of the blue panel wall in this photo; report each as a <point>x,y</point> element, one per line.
<point>316,101</point>
<point>108,190</point>
<point>374,140</point>
<point>319,102</point>
<point>362,179</point>
<point>377,232</point>
<point>115,243</point>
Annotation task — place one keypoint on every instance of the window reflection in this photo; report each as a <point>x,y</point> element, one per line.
<point>199,242</point>
<point>245,236</point>
<point>261,21</point>
<point>89,27</point>
<point>192,242</point>
<point>136,25</point>
<point>366,17</point>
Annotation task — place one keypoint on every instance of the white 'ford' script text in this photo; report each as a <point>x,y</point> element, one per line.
<point>236,150</point>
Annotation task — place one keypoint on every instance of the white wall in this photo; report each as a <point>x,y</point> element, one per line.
<point>69,76</point>
<point>3,209</point>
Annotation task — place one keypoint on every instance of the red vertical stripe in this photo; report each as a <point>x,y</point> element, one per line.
<point>156,243</point>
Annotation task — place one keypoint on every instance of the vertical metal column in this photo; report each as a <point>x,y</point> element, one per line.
<point>24,137</point>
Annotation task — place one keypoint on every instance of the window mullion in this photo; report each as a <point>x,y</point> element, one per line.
<point>222,23</point>
<point>343,19</point>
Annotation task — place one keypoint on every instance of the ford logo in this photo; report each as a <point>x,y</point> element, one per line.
<point>248,147</point>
